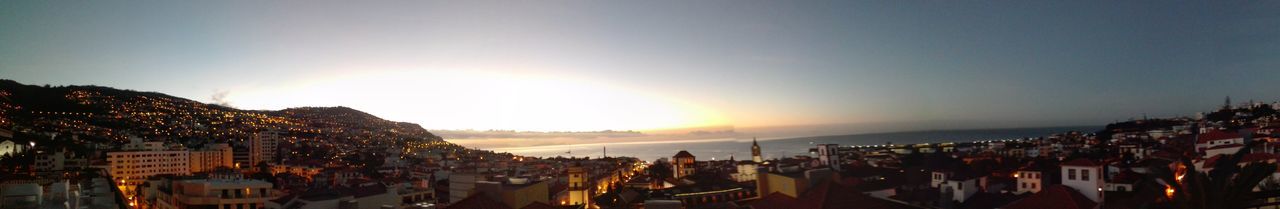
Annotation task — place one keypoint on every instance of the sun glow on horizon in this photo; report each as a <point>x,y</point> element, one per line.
<point>485,100</point>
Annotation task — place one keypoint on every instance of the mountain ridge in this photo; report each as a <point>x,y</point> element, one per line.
<point>112,114</point>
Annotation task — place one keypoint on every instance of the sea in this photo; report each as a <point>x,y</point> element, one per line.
<point>740,149</point>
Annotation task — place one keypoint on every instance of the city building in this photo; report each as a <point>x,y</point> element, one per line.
<point>936,178</point>
<point>1029,180</point>
<point>371,195</point>
<point>959,187</point>
<point>746,171</point>
<point>211,157</point>
<point>579,192</point>
<point>1085,176</point>
<point>8,146</point>
<point>1218,140</point>
<point>683,163</point>
<point>263,147</point>
<point>515,192</point>
<point>212,193</point>
<point>789,181</point>
<point>58,160</point>
<point>139,160</point>
<point>462,185</point>
<point>417,192</point>
<point>829,155</point>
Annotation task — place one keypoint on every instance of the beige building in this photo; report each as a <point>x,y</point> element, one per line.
<point>9,147</point>
<point>515,192</point>
<point>213,193</point>
<point>211,157</point>
<point>683,163</point>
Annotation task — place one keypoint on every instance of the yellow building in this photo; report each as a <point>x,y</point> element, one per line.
<point>579,193</point>
<point>791,184</point>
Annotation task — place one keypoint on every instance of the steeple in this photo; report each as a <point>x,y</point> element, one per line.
<point>755,151</point>
<point>1227,103</point>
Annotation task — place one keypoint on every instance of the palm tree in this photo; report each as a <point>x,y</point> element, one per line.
<point>1227,186</point>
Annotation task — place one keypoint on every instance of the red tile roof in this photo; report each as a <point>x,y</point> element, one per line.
<point>1251,157</point>
<point>1081,162</point>
<point>683,154</point>
<point>1226,146</point>
<point>774,200</point>
<point>1216,135</point>
<point>1054,197</point>
<point>831,195</point>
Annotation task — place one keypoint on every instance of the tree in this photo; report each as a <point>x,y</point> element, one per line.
<point>660,170</point>
<point>1227,186</point>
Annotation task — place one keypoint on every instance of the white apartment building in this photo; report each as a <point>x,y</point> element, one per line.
<point>1084,176</point>
<point>138,160</point>
<point>263,148</point>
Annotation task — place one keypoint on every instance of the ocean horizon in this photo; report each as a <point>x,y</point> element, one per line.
<point>777,147</point>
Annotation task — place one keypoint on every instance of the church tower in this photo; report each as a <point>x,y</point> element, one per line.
<point>755,151</point>
<point>1227,104</point>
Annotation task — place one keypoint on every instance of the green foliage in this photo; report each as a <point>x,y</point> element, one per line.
<point>1227,186</point>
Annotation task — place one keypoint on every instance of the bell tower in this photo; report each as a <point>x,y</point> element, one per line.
<point>755,151</point>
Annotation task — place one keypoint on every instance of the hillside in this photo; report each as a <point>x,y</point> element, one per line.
<point>112,115</point>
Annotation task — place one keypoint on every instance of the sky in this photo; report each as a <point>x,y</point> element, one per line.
<point>637,65</point>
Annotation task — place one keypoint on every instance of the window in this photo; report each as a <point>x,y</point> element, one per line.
<point>1033,185</point>
<point>1024,184</point>
<point>1071,174</point>
<point>1084,175</point>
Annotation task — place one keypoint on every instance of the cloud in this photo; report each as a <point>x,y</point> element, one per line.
<point>220,98</point>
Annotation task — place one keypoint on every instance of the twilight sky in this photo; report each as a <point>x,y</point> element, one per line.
<point>592,65</point>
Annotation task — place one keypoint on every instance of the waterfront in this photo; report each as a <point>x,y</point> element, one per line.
<point>739,147</point>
